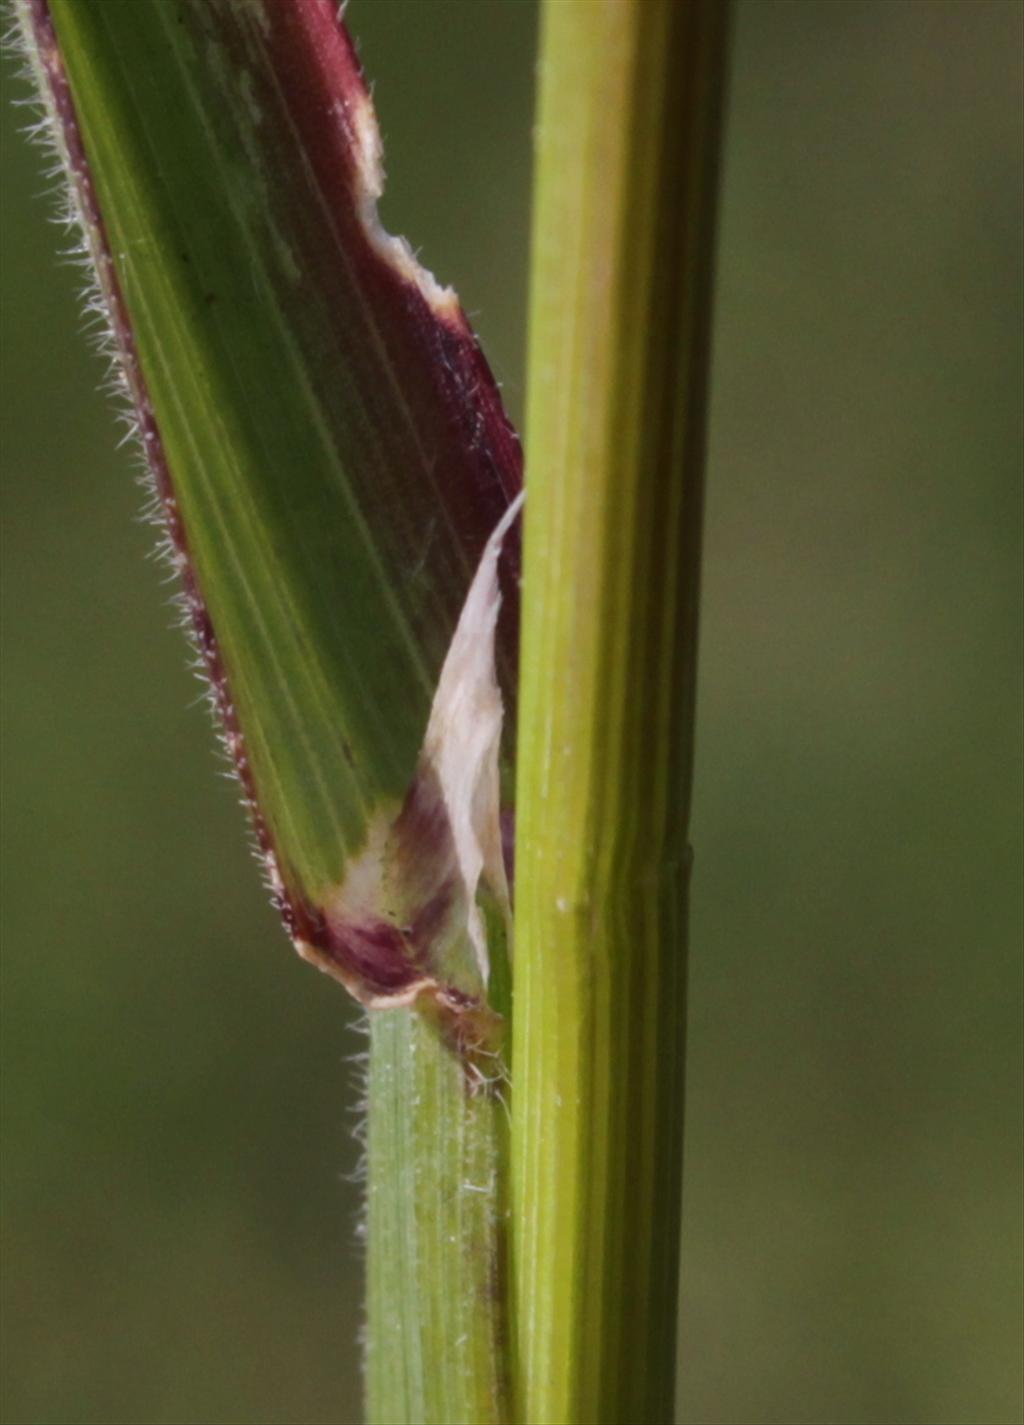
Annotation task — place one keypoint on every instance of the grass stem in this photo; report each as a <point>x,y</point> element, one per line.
<point>630,99</point>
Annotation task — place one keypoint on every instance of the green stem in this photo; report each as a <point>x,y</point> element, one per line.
<point>437,1338</point>
<point>630,98</point>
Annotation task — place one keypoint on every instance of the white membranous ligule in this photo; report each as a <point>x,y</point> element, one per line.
<point>463,741</point>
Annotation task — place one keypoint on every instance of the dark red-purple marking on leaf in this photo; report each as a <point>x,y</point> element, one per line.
<point>316,92</point>
<point>401,953</point>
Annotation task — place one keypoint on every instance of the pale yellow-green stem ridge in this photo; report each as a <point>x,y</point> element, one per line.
<point>628,139</point>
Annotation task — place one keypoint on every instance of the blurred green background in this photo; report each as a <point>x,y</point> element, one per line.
<point>180,1223</point>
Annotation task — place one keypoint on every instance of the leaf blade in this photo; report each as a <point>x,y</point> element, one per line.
<point>325,533</point>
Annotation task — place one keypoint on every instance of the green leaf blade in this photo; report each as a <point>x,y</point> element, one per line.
<point>331,456</point>
<point>295,376</point>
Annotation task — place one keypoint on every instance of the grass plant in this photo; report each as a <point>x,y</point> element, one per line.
<point>329,460</point>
